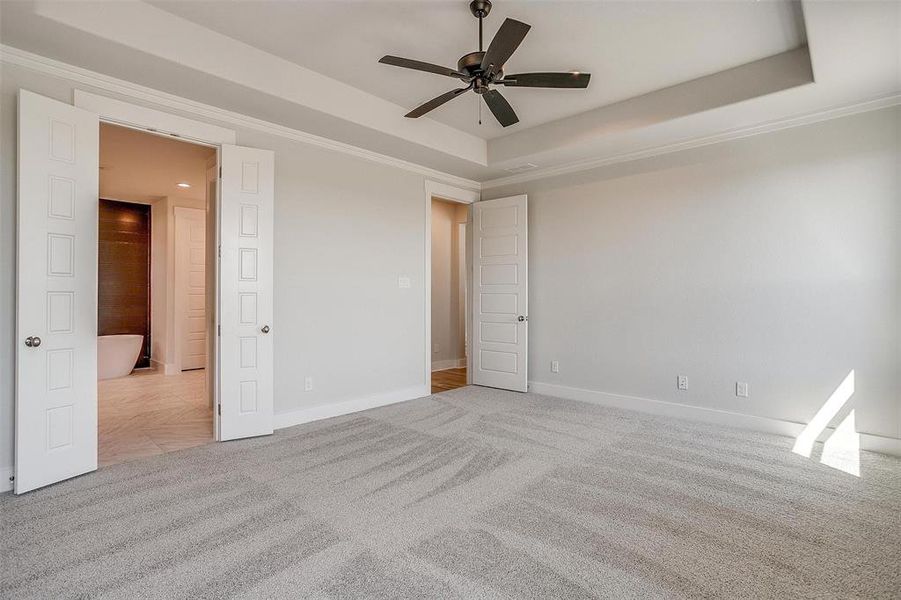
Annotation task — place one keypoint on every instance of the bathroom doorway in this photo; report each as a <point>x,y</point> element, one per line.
<point>155,293</point>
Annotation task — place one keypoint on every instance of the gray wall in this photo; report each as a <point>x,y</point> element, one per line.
<point>345,229</point>
<point>774,260</point>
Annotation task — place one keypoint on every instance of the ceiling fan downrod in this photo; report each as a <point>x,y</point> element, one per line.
<point>480,10</point>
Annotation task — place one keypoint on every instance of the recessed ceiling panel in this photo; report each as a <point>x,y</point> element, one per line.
<point>630,48</point>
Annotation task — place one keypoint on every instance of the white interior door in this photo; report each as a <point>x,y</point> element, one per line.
<point>245,285</point>
<point>190,287</point>
<point>500,299</point>
<point>56,320</point>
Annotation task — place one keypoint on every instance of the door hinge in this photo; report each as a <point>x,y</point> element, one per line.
<point>220,250</point>
<point>219,409</point>
<point>220,172</point>
<point>219,330</point>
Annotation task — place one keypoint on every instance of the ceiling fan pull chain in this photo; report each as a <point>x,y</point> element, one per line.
<point>480,110</point>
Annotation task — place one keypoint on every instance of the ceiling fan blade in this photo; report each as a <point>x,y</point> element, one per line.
<point>418,65</point>
<point>547,80</point>
<point>435,103</point>
<point>505,42</point>
<point>500,108</point>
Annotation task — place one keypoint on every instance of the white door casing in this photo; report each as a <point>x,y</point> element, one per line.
<point>190,287</point>
<point>500,297</point>
<point>56,378</point>
<point>245,293</point>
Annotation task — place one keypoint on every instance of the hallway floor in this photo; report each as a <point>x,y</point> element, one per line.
<point>448,379</point>
<point>148,413</point>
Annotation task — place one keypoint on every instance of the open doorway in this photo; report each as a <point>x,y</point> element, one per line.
<point>449,293</point>
<point>157,195</point>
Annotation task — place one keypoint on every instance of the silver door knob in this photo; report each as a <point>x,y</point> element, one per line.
<point>32,341</point>
<point>521,318</point>
<point>265,329</point>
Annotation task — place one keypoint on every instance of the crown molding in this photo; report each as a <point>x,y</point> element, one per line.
<point>48,66</point>
<point>52,67</point>
<point>834,112</point>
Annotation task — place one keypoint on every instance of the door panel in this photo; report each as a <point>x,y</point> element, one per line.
<point>501,293</point>
<point>56,321</point>
<point>245,276</point>
<point>190,287</point>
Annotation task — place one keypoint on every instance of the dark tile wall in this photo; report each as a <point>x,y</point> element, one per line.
<point>123,294</point>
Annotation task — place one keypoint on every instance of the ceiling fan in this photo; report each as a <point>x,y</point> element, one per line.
<point>483,69</point>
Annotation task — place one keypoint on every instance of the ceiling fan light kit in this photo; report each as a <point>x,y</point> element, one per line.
<point>481,70</point>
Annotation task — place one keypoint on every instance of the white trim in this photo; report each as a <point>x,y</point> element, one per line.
<point>463,278</point>
<point>327,411</point>
<point>688,144</point>
<point>156,121</point>
<point>49,66</point>
<point>451,363</point>
<point>873,443</point>
<point>164,368</point>
<point>5,484</point>
<point>443,191</point>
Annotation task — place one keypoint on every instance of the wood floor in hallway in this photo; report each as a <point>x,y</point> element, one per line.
<point>150,413</point>
<point>449,379</point>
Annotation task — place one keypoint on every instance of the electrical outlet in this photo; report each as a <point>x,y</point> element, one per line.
<point>308,384</point>
<point>741,389</point>
<point>682,382</point>
<point>435,349</point>
<point>555,366</point>
<point>403,282</point>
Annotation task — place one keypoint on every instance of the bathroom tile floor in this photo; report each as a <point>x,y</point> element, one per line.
<point>150,413</point>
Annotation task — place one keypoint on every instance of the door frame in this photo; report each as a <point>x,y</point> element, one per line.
<point>449,193</point>
<point>157,122</point>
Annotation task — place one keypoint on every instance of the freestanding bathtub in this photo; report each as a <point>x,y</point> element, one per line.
<point>117,355</point>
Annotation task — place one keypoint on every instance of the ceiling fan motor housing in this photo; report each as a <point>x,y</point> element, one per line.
<point>470,63</point>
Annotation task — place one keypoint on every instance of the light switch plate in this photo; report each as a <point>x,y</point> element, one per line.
<point>741,389</point>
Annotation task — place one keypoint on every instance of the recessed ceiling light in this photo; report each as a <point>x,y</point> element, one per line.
<point>182,184</point>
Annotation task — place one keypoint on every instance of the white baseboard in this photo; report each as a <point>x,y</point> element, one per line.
<point>453,363</point>
<point>873,443</point>
<point>325,411</point>
<point>164,368</point>
<point>5,484</point>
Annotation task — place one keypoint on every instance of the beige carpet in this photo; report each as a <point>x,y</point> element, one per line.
<point>473,493</point>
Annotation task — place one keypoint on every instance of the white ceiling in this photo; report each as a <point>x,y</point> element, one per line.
<point>630,48</point>
<point>142,167</point>
<point>665,75</point>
